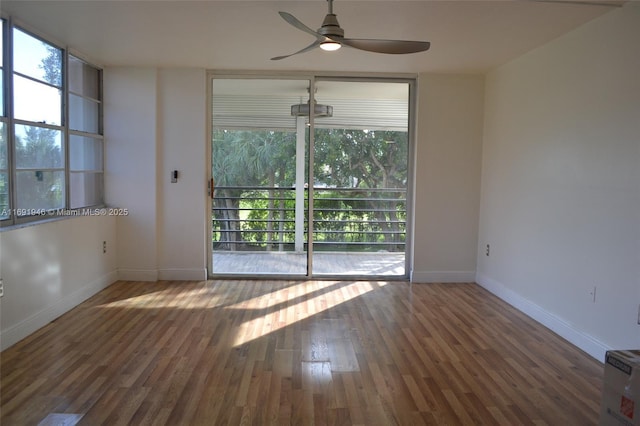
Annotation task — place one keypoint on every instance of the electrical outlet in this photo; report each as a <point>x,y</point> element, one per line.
<point>104,247</point>
<point>2,291</point>
<point>592,293</point>
<point>488,251</point>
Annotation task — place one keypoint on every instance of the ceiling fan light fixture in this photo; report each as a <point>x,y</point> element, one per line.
<point>319,110</point>
<point>330,46</point>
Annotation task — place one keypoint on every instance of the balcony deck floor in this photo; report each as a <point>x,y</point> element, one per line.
<point>383,264</point>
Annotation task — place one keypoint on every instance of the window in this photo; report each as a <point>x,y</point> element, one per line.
<point>4,148</point>
<point>37,129</point>
<point>85,140</point>
<point>51,144</point>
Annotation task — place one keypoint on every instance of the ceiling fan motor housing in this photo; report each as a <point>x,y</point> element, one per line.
<point>330,27</point>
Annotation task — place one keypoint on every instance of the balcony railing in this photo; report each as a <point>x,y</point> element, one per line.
<point>345,219</point>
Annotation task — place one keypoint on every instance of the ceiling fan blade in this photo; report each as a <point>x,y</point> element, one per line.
<point>296,23</point>
<point>386,46</point>
<point>306,49</point>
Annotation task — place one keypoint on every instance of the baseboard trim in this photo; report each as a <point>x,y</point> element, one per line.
<point>442,276</point>
<point>138,274</point>
<point>182,274</point>
<point>584,341</point>
<point>17,332</point>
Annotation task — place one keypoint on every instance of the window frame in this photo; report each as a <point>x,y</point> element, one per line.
<point>98,136</point>
<point>10,121</point>
<point>5,118</point>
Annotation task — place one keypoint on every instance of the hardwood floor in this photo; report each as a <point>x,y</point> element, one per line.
<point>316,352</point>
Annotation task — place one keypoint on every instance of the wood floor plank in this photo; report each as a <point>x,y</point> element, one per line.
<point>297,352</point>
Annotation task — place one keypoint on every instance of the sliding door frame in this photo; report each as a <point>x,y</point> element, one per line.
<point>312,77</point>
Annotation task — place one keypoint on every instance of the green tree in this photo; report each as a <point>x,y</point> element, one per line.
<point>39,149</point>
<point>357,158</point>
<point>44,188</point>
<point>52,66</point>
<point>371,160</point>
<point>245,158</point>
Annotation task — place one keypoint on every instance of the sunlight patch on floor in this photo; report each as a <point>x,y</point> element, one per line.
<point>61,419</point>
<point>200,298</point>
<point>290,314</point>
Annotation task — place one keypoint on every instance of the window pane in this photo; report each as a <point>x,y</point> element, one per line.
<point>38,147</point>
<point>37,59</point>
<point>85,189</point>
<point>1,41</point>
<point>85,153</point>
<point>4,195</point>
<point>40,189</point>
<point>1,91</point>
<point>2,112</point>
<point>83,114</point>
<point>83,79</point>
<point>36,102</point>
<point>3,146</point>
<point>4,175</point>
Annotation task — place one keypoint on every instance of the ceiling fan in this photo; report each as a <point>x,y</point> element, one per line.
<point>331,37</point>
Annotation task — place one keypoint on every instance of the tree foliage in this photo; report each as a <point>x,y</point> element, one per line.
<point>361,159</point>
<point>39,149</point>
<point>39,187</point>
<point>52,66</point>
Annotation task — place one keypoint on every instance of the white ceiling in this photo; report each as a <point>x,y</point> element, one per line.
<point>465,36</point>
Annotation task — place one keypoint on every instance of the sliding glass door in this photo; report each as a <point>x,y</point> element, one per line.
<point>259,178</point>
<point>271,138</point>
<point>360,179</point>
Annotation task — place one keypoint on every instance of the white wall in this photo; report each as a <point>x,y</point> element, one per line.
<point>51,267</point>
<point>560,198</point>
<point>130,128</point>
<point>448,159</point>
<point>182,230</point>
<point>155,122</point>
